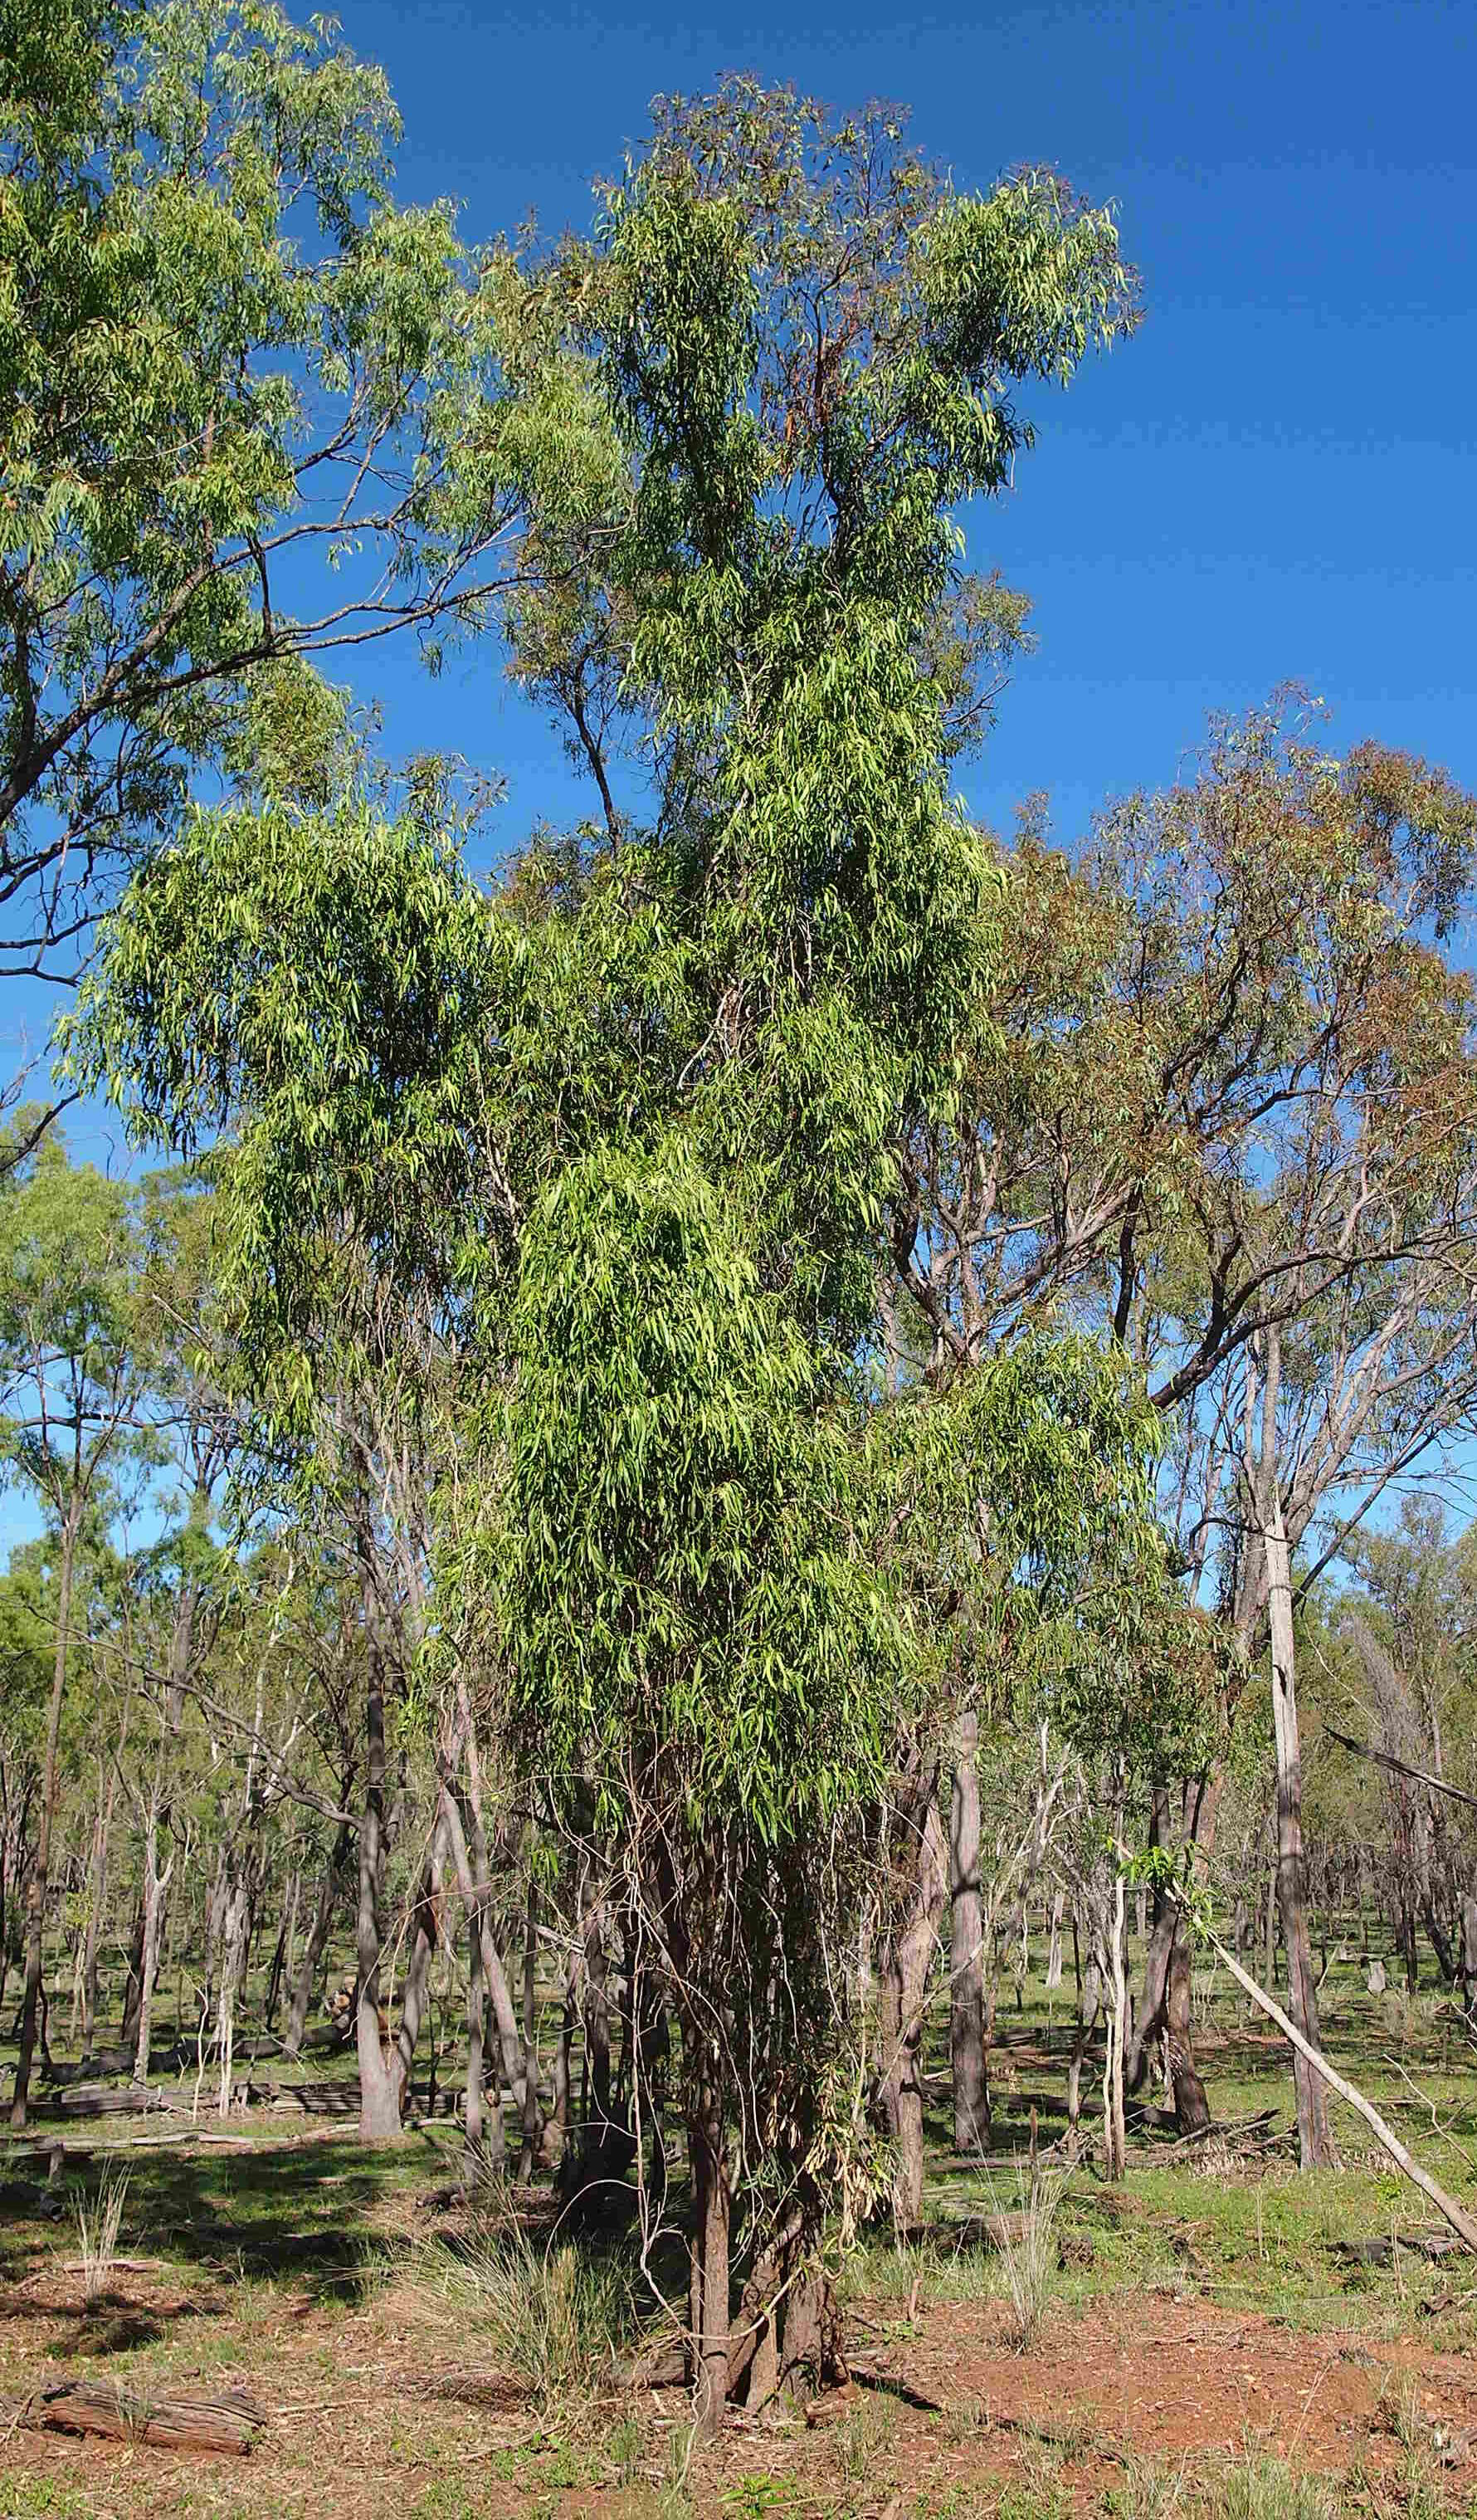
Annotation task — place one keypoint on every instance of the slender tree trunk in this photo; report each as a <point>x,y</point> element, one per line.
<point>475,1890</point>
<point>1114,2135</point>
<point>967,1960</point>
<point>156,1884</point>
<point>529,2153</point>
<point>1313,2143</point>
<point>911,1948</point>
<point>712,2212</point>
<point>1054,1947</point>
<point>379,2102</point>
<point>318,1933</point>
<point>423,1946</point>
<point>96,1895</point>
<point>36,1901</point>
<point>598,2036</point>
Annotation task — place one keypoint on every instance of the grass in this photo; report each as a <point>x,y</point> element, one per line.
<point>1027,2246</point>
<point>552,2313</point>
<point>99,2223</point>
<point>306,2270</point>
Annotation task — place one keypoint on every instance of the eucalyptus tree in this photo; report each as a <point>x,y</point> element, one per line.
<point>1227,1111</point>
<point>627,1134</point>
<point>234,373</point>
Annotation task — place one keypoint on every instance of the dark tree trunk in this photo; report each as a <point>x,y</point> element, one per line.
<point>311,1964</point>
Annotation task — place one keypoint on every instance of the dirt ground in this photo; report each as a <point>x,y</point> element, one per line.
<point>371,2413</point>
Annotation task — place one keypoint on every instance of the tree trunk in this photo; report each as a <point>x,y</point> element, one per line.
<point>1314,2144</point>
<point>282,1954</point>
<point>1054,1947</point>
<point>966,1962</point>
<point>529,2152</point>
<point>417,1973</point>
<point>1167,1984</point>
<point>476,1891</point>
<point>318,1933</point>
<point>156,1884</point>
<point>379,2102</point>
<point>711,2214</point>
<point>36,1898</point>
<point>97,1894</point>
<point>911,1948</point>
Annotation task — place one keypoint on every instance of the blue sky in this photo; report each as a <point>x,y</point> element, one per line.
<point>1269,482</point>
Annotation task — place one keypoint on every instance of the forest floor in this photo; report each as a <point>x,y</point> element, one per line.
<point>1219,2335</point>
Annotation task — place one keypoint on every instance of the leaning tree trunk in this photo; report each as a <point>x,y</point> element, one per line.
<point>1314,2147</point>
<point>35,1898</point>
<point>967,1960</point>
<point>922,1890</point>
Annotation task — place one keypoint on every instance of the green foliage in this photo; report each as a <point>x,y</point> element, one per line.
<point>224,351</point>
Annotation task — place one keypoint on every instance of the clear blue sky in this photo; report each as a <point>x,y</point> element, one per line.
<point>1270,481</point>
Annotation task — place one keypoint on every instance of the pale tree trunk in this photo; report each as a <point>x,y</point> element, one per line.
<point>709,2265</point>
<point>378,2102</point>
<point>97,1894</point>
<point>36,1888</point>
<point>966,1965</point>
<point>912,1944</point>
<point>1314,2147</point>
<point>156,1884</point>
<point>1054,1947</point>
<point>418,1972</point>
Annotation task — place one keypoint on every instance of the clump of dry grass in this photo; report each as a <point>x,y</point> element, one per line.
<point>1028,2250</point>
<point>98,2227</point>
<point>554,2315</point>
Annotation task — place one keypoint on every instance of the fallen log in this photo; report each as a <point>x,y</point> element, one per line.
<point>229,2423</point>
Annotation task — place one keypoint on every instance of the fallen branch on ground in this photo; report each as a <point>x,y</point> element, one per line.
<point>1446,2206</point>
<point>230,2423</point>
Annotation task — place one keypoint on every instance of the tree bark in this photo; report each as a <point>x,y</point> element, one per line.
<point>36,1888</point>
<point>417,1973</point>
<point>318,1933</point>
<point>712,2210</point>
<point>911,1948</point>
<point>966,1962</point>
<point>156,1884</point>
<point>1314,2144</point>
<point>378,2102</point>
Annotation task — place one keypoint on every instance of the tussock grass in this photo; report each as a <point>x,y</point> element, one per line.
<point>99,2223</point>
<point>554,2315</point>
<point>1027,2251</point>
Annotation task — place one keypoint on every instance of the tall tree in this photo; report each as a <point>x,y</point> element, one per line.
<point>630,1132</point>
